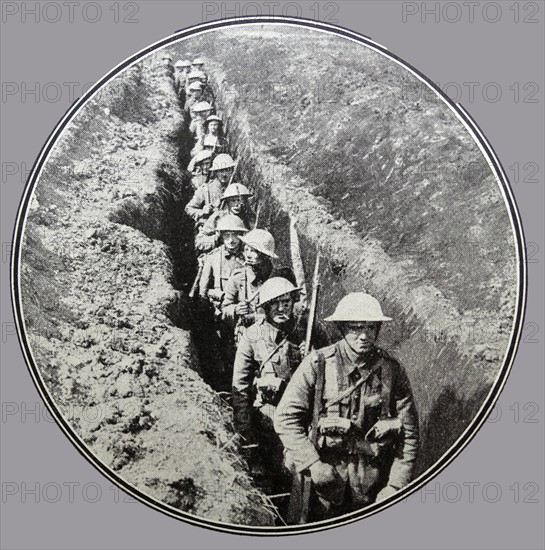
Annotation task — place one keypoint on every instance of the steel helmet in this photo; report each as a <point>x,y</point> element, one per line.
<point>260,240</point>
<point>185,63</point>
<point>201,156</point>
<point>198,61</point>
<point>198,75</point>
<point>166,55</point>
<point>235,190</point>
<point>222,162</point>
<point>357,307</point>
<point>211,118</point>
<point>230,222</point>
<point>274,288</point>
<point>201,107</point>
<point>195,86</point>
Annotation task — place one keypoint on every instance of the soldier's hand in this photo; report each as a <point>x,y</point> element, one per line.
<point>208,209</point>
<point>242,308</point>
<point>323,474</point>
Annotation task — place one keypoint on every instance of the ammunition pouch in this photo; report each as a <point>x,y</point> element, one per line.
<point>384,436</point>
<point>334,432</point>
<point>216,297</point>
<point>269,390</point>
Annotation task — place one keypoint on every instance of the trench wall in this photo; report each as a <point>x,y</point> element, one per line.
<point>439,347</point>
<point>106,261</point>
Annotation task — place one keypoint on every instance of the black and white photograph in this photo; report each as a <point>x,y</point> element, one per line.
<point>268,277</point>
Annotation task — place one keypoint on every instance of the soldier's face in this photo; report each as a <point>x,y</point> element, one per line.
<point>213,127</point>
<point>224,175</point>
<point>280,310</point>
<point>231,240</point>
<point>360,336</point>
<point>235,205</point>
<point>206,166</point>
<point>252,256</point>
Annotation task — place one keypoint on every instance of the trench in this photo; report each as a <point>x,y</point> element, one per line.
<point>421,336</point>
<point>161,216</point>
<point>279,198</point>
<point>424,335</point>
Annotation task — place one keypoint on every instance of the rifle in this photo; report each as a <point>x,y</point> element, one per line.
<point>195,286</point>
<point>234,172</point>
<point>306,481</point>
<point>297,262</point>
<point>313,303</point>
<point>257,215</point>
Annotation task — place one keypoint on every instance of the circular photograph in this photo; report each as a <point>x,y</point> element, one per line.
<point>267,277</point>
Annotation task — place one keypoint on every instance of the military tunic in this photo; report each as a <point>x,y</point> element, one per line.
<point>362,475</point>
<point>243,285</point>
<point>265,351</point>
<point>218,267</point>
<point>210,193</point>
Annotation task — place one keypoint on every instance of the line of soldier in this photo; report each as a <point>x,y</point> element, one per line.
<point>341,418</point>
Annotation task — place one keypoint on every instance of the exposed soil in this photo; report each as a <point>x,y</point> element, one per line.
<point>107,326</point>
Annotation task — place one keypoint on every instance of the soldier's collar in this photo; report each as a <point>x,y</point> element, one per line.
<point>356,362</point>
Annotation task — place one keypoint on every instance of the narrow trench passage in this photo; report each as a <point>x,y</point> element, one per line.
<point>178,234</point>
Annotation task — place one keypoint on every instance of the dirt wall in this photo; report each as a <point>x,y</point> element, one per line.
<point>106,259</point>
<point>452,356</point>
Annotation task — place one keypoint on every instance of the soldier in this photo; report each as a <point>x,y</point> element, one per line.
<point>201,77</point>
<point>198,64</point>
<point>221,262</point>
<point>199,112</point>
<point>265,360</point>
<point>181,69</point>
<point>166,60</point>
<point>241,291</point>
<point>233,201</point>
<point>365,417</point>
<point>208,197</point>
<point>213,139</point>
<point>193,96</point>
<point>199,167</point>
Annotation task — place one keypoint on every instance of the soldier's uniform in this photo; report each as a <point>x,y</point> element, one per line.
<point>207,236</point>
<point>180,79</point>
<point>267,356</point>
<point>264,353</point>
<point>382,393</point>
<point>243,285</point>
<point>218,268</point>
<point>209,193</point>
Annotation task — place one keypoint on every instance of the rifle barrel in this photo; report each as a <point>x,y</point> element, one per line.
<point>313,303</point>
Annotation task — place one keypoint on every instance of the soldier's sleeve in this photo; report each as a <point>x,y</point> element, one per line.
<point>206,277</point>
<point>243,377</point>
<point>230,299</point>
<point>401,472</point>
<point>205,241</point>
<point>194,207</point>
<point>294,415</point>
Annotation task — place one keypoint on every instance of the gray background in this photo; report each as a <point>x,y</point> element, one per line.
<point>491,496</point>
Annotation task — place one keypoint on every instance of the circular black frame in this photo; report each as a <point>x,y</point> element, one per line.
<point>470,431</point>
